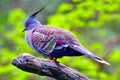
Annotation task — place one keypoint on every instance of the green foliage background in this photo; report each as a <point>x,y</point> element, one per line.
<point>96,23</point>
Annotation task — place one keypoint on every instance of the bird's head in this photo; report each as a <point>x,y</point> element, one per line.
<point>31,22</point>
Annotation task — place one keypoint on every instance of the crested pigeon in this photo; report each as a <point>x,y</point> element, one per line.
<point>53,42</point>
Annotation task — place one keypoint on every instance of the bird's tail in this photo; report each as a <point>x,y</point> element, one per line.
<point>91,55</point>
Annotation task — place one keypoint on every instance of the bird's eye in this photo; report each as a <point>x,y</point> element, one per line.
<point>28,23</point>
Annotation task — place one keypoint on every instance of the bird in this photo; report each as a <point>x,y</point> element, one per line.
<point>53,42</point>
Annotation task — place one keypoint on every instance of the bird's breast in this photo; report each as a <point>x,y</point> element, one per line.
<point>28,38</point>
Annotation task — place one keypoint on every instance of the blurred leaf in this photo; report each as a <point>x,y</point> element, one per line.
<point>64,7</point>
<point>114,55</point>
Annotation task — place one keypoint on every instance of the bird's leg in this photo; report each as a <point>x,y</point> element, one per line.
<point>51,58</point>
<point>54,59</point>
<point>56,62</point>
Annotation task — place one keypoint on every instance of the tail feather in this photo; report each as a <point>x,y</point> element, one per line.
<point>99,59</point>
<point>91,55</point>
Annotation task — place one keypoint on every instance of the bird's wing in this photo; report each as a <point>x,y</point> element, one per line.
<point>43,41</point>
<point>67,38</point>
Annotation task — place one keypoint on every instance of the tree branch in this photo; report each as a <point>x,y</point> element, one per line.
<point>29,63</point>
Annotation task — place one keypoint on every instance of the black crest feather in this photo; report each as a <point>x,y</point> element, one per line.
<point>34,14</point>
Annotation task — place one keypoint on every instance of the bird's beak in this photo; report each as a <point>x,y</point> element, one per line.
<point>23,30</point>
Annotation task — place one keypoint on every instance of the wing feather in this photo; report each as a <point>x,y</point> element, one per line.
<point>41,39</point>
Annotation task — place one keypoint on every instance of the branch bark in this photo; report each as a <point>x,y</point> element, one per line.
<point>29,63</point>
